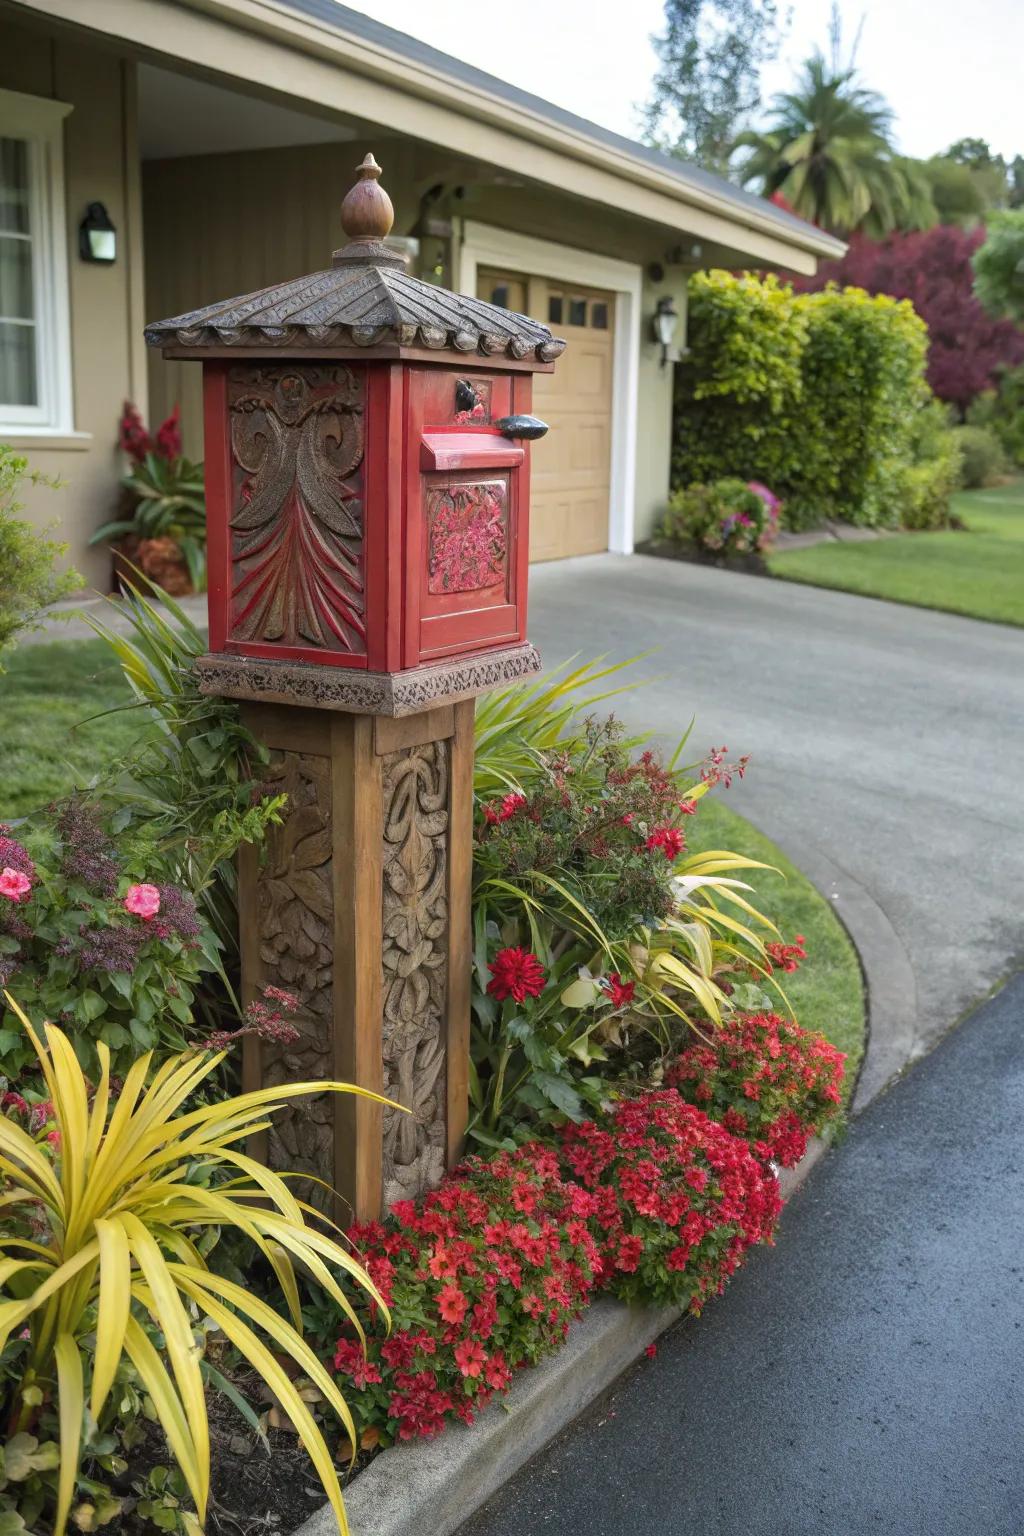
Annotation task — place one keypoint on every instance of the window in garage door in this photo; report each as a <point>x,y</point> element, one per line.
<point>571,467</point>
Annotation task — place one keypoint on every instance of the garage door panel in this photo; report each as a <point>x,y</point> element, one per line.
<point>571,466</point>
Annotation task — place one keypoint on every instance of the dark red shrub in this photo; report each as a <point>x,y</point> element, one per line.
<point>932,268</point>
<point>679,1199</point>
<point>766,1079</point>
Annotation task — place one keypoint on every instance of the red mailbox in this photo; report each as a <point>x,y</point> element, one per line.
<point>367,488</point>
<point>367,466</point>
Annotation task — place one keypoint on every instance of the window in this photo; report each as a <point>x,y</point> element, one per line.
<point>35,361</point>
<point>577,311</point>
<point>555,309</point>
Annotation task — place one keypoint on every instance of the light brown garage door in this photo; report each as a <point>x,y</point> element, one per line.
<point>571,478</point>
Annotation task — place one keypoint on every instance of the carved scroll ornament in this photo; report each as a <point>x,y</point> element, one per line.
<point>295,920</point>
<point>415,965</point>
<point>297,527</point>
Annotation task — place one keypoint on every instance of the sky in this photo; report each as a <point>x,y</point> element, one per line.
<point>950,70</point>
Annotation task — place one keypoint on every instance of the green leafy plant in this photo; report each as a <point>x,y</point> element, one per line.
<point>107,1229</point>
<point>197,768</point>
<point>168,502</point>
<point>597,938</point>
<point>930,479</point>
<point>982,458</point>
<point>28,579</point>
<point>1002,411</point>
<point>999,265</point>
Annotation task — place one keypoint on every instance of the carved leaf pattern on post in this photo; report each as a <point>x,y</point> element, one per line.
<point>415,960</point>
<point>295,917</point>
<point>297,527</point>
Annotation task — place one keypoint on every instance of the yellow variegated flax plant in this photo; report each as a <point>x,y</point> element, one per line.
<point>116,1213</point>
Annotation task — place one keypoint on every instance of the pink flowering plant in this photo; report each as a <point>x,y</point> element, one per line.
<point>678,1199</point>
<point>727,517</point>
<point>99,936</point>
<point>482,1277</point>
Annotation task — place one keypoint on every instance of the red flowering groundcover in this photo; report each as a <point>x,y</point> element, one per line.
<point>678,1199</point>
<point>483,1276</point>
<point>766,1079</point>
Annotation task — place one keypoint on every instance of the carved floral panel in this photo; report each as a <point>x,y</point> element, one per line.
<point>297,571</point>
<point>295,921</point>
<point>415,966</point>
<point>467,537</point>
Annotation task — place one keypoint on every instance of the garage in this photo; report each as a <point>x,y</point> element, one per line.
<point>571,481</point>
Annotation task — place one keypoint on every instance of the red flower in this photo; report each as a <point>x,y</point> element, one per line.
<point>619,992</point>
<point>515,973</point>
<point>669,839</point>
<point>349,1360</point>
<point>470,1357</point>
<point>451,1304</point>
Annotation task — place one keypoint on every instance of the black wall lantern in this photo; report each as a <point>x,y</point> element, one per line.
<point>97,237</point>
<point>663,324</point>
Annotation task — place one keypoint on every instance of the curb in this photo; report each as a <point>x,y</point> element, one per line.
<point>413,1490</point>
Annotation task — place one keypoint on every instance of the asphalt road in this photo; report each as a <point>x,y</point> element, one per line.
<point>868,1375</point>
<point>888,738</point>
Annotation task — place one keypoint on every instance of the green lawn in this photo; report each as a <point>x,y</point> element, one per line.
<point>46,693</point>
<point>827,992</point>
<point>979,572</point>
<point>45,751</point>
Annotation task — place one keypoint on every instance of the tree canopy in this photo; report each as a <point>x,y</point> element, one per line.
<point>827,149</point>
<point>708,80</point>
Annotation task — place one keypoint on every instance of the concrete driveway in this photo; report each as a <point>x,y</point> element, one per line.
<point>887,749</point>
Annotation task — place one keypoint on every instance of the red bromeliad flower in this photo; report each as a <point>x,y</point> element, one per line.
<point>787,957</point>
<point>669,839</point>
<point>620,993</point>
<point>516,973</point>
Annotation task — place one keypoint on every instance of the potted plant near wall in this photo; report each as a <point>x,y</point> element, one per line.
<point>161,529</point>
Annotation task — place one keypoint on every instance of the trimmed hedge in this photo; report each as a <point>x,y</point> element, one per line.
<point>817,395</point>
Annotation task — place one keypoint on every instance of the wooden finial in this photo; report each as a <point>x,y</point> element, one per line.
<point>367,212</point>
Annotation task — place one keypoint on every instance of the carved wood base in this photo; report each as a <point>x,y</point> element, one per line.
<point>361,906</point>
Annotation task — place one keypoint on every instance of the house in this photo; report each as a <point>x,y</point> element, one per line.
<point>218,137</point>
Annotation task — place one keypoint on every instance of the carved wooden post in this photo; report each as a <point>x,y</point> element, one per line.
<point>367,481</point>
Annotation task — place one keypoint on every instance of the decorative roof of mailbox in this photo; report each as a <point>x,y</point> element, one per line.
<point>366,298</point>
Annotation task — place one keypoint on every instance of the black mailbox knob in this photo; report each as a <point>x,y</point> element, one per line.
<point>521,426</point>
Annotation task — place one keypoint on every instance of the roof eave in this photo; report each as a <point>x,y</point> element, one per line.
<point>370,58</point>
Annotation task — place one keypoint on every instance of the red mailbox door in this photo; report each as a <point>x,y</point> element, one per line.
<point>467,517</point>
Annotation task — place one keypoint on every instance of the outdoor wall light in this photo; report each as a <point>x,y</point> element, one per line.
<point>663,325</point>
<point>97,237</point>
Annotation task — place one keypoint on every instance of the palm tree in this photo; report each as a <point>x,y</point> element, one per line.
<point>828,152</point>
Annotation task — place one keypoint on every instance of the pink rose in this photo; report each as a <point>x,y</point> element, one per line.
<point>143,900</point>
<point>14,885</point>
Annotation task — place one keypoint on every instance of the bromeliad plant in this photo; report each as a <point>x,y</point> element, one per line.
<point>107,1226</point>
<point>164,492</point>
<point>594,928</point>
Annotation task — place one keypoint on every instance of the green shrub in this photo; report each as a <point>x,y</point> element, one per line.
<point>934,475</point>
<point>724,518</point>
<point>1001,410</point>
<point>816,395</point>
<point>28,581</point>
<point>981,456</point>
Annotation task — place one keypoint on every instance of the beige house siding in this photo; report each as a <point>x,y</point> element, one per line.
<point>100,165</point>
<point>220,225</point>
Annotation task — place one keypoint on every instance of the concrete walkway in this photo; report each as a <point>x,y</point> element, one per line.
<point>865,1377</point>
<point>887,745</point>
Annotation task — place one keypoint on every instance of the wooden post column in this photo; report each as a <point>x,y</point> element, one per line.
<point>361,907</point>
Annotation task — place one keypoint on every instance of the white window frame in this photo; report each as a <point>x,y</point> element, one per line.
<point>483,245</point>
<point>40,122</point>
